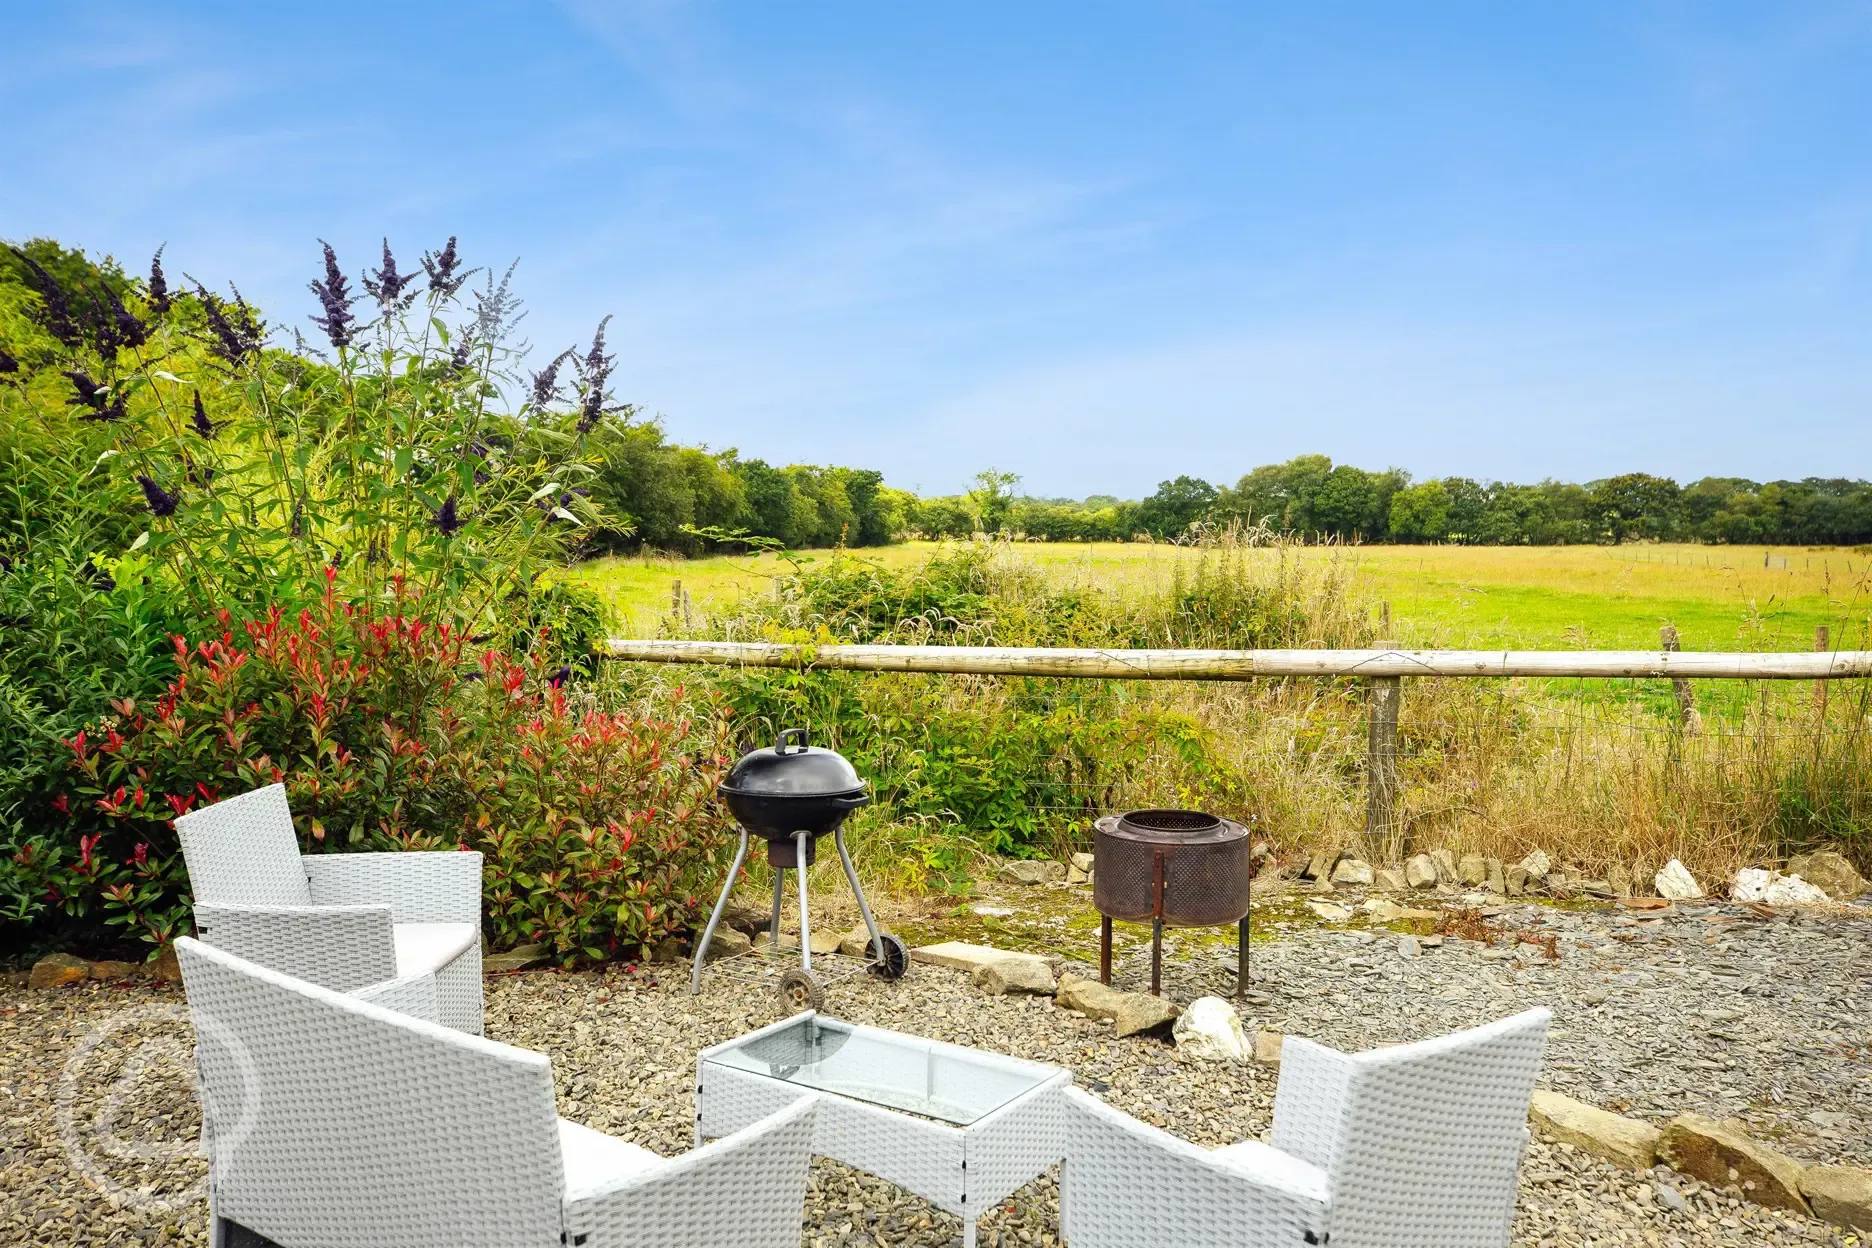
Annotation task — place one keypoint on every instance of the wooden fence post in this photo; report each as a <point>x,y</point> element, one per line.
<point>675,597</point>
<point>1822,639</point>
<point>1686,700</point>
<point>1383,837</point>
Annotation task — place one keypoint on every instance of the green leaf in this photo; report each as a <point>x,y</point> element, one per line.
<point>141,541</point>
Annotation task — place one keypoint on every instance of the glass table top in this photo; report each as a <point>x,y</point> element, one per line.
<point>947,1082</point>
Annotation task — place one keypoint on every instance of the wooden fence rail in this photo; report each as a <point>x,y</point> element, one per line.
<point>1381,669</point>
<point>1255,664</point>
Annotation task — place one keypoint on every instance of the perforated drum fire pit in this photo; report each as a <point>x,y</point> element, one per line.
<point>1182,868</point>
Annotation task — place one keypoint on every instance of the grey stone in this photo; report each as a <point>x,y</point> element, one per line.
<point>857,942</point>
<point>1420,871</point>
<point>1494,878</point>
<point>1829,872</point>
<point>826,942</point>
<point>1624,1141</point>
<point>1472,869</point>
<point>1075,874</point>
<point>1445,862</point>
<point>1353,871</point>
<point>1409,947</point>
<point>1320,865</point>
<point>1033,871</point>
<point>1391,879</point>
<point>1130,1012</point>
<point>1537,865</point>
<point>1084,862</point>
<point>115,970</point>
<point>961,955</point>
<point>1515,879</point>
<point>1017,972</point>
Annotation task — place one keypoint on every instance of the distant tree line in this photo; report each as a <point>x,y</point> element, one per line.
<point>1313,498</point>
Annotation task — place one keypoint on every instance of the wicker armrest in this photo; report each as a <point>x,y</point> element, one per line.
<point>343,948</point>
<point>414,995</point>
<point>762,1169</point>
<point>443,886</point>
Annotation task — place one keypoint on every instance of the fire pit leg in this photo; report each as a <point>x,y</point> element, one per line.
<point>1105,949</point>
<point>804,841</point>
<point>721,904</point>
<point>1156,957</point>
<point>1241,958</point>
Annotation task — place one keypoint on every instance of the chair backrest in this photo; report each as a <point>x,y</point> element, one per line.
<point>335,1123</point>
<point>1430,1136</point>
<point>243,851</point>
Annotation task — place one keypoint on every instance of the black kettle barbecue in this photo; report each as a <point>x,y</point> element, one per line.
<point>790,795</point>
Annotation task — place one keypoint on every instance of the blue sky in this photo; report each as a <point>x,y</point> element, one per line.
<point>1095,244</point>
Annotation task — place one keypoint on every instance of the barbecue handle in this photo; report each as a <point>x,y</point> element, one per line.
<point>790,734</point>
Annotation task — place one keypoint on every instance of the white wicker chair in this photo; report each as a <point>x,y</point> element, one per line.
<point>1417,1146</point>
<point>343,921</point>
<point>332,1122</point>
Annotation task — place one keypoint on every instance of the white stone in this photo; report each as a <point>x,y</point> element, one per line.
<point>1676,883</point>
<point>1211,1031</point>
<point>1537,864</point>
<point>1420,872</point>
<point>961,955</point>
<point>1756,884</point>
<point>1083,862</point>
<point>1329,911</point>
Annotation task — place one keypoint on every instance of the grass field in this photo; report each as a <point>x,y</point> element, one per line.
<point>1555,597</point>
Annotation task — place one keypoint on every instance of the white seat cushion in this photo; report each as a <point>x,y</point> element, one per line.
<point>1275,1168</point>
<point>425,947</point>
<point>594,1160</point>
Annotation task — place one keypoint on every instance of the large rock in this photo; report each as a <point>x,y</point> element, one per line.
<point>1445,863</point>
<point>1033,871</point>
<point>1721,1153</point>
<point>1211,1031</point>
<point>1331,911</point>
<point>962,956</point>
<point>1140,1012</point>
<point>1017,972</point>
<point>165,965</point>
<point>1675,882</point>
<point>1420,871</point>
<point>1472,869</point>
<point>1840,1194</point>
<point>58,969</point>
<point>1130,1012</point>
<point>1084,862</point>
<point>728,943</point>
<point>1537,865</point>
<point>1075,874</point>
<point>1496,879</point>
<point>1624,1141</point>
<point>1353,871</point>
<point>857,942</point>
<point>1391,879</point>
<point>115,970</point>
<point>824,942</point>
<point>1516,879</point>
<point>1320,865</point>
<point>1755,884</point>
<point>1267,1046</point>
<point>1830,871</point>
<point>522,956</point>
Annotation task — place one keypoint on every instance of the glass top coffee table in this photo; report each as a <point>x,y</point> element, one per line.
<point>959,1127</point>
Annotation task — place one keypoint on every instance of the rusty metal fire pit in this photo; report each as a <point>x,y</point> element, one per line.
<point>1180,868</point>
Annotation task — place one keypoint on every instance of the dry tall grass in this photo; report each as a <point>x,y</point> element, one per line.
<point>1601,775</point>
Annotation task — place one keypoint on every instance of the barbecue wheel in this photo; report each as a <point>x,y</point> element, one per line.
<point>801,990</point>
<point>893,962</point>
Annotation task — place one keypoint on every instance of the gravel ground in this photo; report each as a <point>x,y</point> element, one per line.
<point>1707,1009</point>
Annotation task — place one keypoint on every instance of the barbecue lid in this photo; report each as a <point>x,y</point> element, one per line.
<point>792,768</point>
<point>1172,827</point>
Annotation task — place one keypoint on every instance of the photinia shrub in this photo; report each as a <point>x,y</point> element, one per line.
<point>390,732</point>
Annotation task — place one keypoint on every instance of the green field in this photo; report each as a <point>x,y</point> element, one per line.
<point>1551,597</point>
